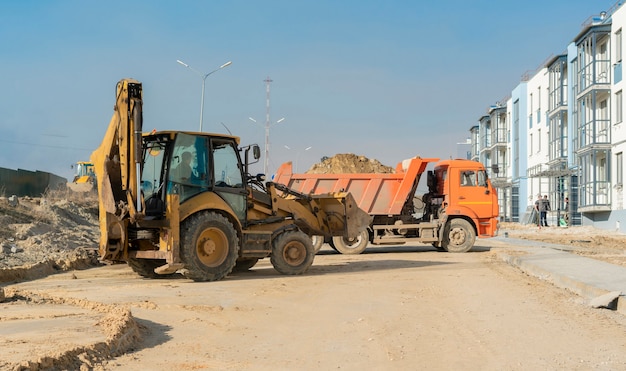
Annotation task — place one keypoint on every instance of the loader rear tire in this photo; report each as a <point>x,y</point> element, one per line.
<point>352,247</point>
<point>292,253</point>
<point>209,246</point>
<point>458,236</point>
<point>145,267</point>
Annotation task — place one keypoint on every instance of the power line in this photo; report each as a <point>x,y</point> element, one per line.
<point>47,145</point>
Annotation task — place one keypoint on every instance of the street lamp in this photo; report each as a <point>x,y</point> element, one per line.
<point>298,156</point>
<point>203,76</point>
<point>267,141</point>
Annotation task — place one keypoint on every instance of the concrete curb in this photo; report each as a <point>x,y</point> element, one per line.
<point>539,262</point>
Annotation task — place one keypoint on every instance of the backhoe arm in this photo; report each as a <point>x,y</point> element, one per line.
<point>117,164</point>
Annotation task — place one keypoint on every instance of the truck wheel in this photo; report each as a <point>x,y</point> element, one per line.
<point>351,247</point>
<point>317,242</point>
<point>292,253</point>
<point>459,236</point>
<point>145,267</point>
<point>244,264</point>
<point>209,246</point>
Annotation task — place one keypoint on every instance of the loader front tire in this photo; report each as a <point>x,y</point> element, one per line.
<point>209,246</point>
<point>458,236</point>
<point>354,246</point>
<point>292,253</point>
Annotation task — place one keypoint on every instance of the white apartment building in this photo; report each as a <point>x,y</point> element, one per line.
<point>561,132</point>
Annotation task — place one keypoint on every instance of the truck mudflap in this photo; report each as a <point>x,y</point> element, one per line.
<point>330,214</point>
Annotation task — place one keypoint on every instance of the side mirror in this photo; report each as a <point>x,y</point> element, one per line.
<point>256,152</point>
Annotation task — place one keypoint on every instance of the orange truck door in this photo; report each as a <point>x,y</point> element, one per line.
<point>473,192</point>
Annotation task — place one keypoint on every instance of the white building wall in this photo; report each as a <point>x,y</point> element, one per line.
<point>509,141</point>
<point>538,136</point>
<point>618,134</point>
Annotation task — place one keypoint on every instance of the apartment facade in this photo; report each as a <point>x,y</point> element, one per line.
<point>561,133</point>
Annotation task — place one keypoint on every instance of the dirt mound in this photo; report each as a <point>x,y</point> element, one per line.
<point>349,163</point>
<point>49,327</point>
<point>41,236</point>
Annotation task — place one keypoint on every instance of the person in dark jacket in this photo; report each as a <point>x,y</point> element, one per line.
<point>544,207</point>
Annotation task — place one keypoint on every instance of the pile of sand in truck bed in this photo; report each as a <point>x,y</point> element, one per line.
<point>349,163</point>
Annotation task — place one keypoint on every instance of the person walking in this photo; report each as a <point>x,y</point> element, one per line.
<point>538,206</point>
<point>544,208</point>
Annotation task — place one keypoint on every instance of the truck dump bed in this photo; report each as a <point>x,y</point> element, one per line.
<point>376,194</point>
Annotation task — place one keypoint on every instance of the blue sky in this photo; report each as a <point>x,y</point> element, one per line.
<point>385,79</point>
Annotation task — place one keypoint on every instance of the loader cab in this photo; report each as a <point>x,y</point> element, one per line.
<point>188,164</point>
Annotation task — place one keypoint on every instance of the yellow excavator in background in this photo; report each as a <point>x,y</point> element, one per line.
<point>183,202</point>
<point>84,178</point>
<point>84,173</point>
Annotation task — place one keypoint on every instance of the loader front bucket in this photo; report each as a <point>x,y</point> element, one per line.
<point>343,217</point>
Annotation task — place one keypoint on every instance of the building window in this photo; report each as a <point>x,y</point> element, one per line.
<point>618,45</point>
<point>530,117</point>
<point>538,140</point>
<point>619,107</point>
<point>531,144</point>
<point>619,169</point>
<point>538,105</point>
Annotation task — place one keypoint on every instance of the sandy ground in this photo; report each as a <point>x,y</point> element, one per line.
<point>391,308</point>
<point>402,307</point>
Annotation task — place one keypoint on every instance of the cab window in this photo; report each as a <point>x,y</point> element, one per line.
<point>482,178</point>
<point>188,166</point>
<point>468,178</point>
<point>226,170</point>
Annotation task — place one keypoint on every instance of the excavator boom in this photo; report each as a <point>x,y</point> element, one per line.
<point>117,164</point>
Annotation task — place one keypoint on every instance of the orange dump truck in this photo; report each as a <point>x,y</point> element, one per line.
<point>460,204</point>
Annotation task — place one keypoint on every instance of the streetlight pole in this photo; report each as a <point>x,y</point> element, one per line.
<point>203,76</point>
<point>267,141</point>
<point>298,156</point>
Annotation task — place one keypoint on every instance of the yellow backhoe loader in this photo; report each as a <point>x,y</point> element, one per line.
<point>183,202</point>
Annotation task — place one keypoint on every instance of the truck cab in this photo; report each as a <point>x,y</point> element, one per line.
<point>467,193</point>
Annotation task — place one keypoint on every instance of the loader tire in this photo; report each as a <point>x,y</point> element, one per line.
<point>458,236</point>
<point>245,264</point>
<point>292,253</point>
<point>145,267</point>
<point>351,247</point>
<point>317,242</point>
<point>209,246</point>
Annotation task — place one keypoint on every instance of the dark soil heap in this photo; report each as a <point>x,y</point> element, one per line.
<point>349,163</point>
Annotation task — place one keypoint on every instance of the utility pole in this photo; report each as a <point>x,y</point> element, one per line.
<point>267,126</point>
<point>267,81</point>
